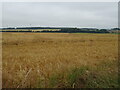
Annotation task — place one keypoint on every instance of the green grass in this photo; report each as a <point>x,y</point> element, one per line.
<point>75,75</point>
<point>95,33</point>
<point>103,75</point>
<point>90,33</point>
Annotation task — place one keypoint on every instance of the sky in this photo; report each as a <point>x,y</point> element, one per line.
<point>60,14</point>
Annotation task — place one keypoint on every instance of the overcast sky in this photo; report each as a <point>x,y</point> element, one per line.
<point>78,14</point>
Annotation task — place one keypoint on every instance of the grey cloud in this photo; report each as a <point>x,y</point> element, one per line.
<point>99,15</point>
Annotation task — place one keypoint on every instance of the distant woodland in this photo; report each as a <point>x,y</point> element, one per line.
<point>61,30</point>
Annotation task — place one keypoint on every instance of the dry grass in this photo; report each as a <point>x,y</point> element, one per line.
<point>29,58</point>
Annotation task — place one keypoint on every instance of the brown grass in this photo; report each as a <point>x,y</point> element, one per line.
<point>31,57</point>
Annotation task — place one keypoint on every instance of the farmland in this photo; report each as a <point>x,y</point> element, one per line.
<point>52,60</point>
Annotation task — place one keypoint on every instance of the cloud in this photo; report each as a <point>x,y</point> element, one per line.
<point>99,15</point>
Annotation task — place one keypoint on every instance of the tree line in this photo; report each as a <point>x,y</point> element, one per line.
<point>62,30</point>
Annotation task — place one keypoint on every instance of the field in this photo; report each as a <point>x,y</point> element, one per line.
<point>57,60</point>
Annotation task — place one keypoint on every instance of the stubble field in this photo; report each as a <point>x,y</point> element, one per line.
<point>44,60</point>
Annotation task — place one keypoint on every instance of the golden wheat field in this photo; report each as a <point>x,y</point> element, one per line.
<point>44,60</point>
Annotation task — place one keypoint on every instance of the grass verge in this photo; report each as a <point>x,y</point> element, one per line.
<point>104,75</point>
